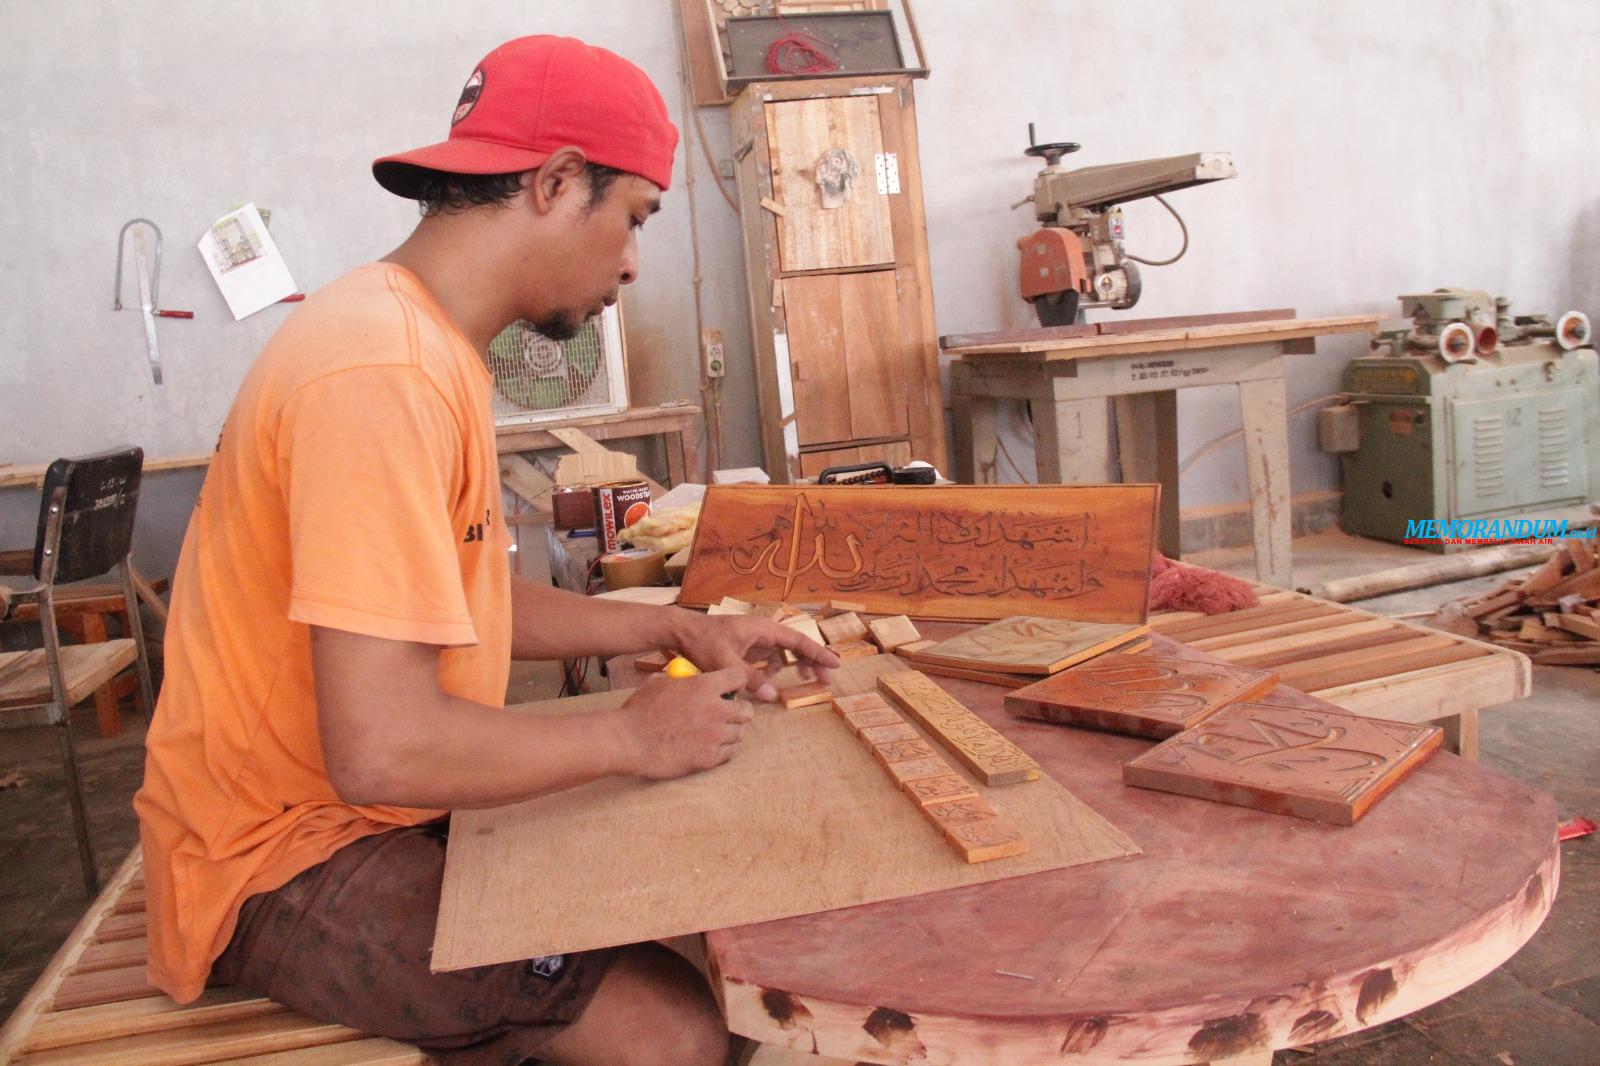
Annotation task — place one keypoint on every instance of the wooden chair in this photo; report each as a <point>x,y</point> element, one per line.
<point>85,529</point>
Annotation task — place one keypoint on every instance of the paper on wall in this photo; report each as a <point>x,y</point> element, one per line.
<point>245,262</point>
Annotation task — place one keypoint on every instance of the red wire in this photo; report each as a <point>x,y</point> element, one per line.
<point>798,52</point>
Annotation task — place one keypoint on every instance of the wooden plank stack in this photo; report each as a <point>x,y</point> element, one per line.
<point>1552,615</point>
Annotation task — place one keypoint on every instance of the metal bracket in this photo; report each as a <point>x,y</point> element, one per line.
<point>887,167</point>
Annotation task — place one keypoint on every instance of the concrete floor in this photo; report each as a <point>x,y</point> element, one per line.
<point>1542,1007</point>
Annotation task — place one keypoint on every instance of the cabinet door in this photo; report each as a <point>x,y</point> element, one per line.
<point>812,236</point>
<point>845,356</point>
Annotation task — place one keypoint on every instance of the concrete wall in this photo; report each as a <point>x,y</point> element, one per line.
<point>1380,149</point>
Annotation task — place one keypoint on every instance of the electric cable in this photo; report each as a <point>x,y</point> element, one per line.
<point>1165,262</point>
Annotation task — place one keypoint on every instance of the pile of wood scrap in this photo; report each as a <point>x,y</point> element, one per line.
<point>1552,614</point>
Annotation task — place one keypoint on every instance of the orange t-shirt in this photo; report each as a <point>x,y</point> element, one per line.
<point>355,486</point>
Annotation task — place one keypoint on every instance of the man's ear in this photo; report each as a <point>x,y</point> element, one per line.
<point>565,173</point>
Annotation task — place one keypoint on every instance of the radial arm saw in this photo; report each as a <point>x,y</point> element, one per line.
<point>1076,258</point>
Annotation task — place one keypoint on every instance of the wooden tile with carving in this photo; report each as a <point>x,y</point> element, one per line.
<point>909,651</point>
<point>855,649</point>
<point>975,743</point>
<point>904,751</point>
<point>959,552</point>
<point>806,695</point>
<point>843,628</point>
<point>985,839</point>
<point>868,717</point>
<point>951,813</point>
<point>891,632</point>
<point>1027,645</point>
<point>1141,695</point>
<point>915,769</point>
<point>877,735</point>
<point>1327,765</point>
<point>860,702</point>
<point>927,791</point>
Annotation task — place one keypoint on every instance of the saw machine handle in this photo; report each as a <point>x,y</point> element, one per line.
<point>1051,152</point>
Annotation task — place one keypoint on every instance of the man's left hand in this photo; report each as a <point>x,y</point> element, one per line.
<point>716,642</point>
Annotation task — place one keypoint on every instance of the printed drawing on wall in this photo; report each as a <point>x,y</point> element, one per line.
<point>959,552</point>
<point>1324,764</point>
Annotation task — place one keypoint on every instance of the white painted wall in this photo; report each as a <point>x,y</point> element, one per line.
<point>1381,148</point>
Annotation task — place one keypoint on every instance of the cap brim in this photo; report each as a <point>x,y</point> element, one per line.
<point>403,174</point>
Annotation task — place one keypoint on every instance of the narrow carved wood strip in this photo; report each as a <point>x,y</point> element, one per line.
<point>979,746</point>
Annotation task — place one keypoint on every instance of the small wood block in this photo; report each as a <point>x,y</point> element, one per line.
<point>877,735</point>
<point>903,751</point>
<point>975,743</point>
<point>891,632</point>
<point>860,702</point>
<point>855,649</point>
<point>806,695</point>
<point>770,611</point>
<point>1141,695</point>
<point>948,814</point>
<point>941,789</point>
<point>653,663</point>
<point>843,628</point>
<point>805,625</point>
<point>986,839</point>
<point>834,607</point>
<point>916,769</point>
<point>735,606</point>
<point>909,650</point>
<point>1583,627</point>
<point>1324,764</point>
<point>872,716</point>
<point>717,609</point>
<point>1028,645</point>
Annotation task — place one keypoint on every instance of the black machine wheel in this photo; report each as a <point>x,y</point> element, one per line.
<point>1057,308</point>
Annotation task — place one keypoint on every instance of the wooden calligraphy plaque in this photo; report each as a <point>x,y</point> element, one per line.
<point>1142,695</point>
<point>1327,765</point>
<point>1024,645</point>
<point>977,744</point>
<point>960,552</point>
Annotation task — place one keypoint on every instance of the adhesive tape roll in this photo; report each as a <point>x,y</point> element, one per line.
<point>633,568</point>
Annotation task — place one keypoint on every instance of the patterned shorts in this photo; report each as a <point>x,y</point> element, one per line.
<point>348,941</point>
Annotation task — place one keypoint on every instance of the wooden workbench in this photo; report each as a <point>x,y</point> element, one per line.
<point>1234,932</point>
<point>1067,374</point>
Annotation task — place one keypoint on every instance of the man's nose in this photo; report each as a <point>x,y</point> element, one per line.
<point>628,269</point>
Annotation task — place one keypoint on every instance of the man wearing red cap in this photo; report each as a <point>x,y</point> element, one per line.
<point>344,616</point>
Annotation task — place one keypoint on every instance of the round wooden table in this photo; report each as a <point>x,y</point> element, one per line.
<point>1233,933</point>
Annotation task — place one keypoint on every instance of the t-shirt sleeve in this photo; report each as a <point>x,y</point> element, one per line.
<point>370,461</point>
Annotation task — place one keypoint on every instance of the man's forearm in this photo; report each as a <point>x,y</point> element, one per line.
<point>549,623</point>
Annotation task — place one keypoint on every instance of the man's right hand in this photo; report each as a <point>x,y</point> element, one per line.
<point>670,727</point>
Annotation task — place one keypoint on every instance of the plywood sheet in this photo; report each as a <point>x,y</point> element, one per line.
<point>1141,695</point>
<point>1323,764</point>
<point>811,236</point>
<point>1027,645</point>
<point>845,356</point>
<point>801,820</point>
<point>961,552</point>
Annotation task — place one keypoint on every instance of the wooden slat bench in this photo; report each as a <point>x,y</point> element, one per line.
<point>93,1006</point>
<point>1362,661</point>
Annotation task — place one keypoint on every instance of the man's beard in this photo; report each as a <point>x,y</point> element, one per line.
<point>560,326</point>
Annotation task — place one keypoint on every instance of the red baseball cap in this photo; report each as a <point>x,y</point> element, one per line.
<point>534,95</point>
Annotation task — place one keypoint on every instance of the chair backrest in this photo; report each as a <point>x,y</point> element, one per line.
<point>99,496</point>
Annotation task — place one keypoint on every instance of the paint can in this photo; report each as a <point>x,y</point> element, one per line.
<point>618,506</point>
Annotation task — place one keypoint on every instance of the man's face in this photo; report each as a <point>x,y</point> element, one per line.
<point>597,249</point>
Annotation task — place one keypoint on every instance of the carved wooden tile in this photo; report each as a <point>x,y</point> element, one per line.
<point>1328,765</point>
<point>843,628</point>
<point>940,789</point>
<point>985,839</point>
<point>806,695</point>
<point>976,744</point>
<point>909,651</point>
<point>891,632</point>
<point>903,751</point>
<point>950,813</point>
<point>855,649</point>
<point>859,702</point>
<point>888,734</point>
<point>912,769</point>
<point>1026,645</point>
<point>871,716</point>
<point>1142,695</point>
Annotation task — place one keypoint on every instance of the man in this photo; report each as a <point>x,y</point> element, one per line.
<point>343,613</point>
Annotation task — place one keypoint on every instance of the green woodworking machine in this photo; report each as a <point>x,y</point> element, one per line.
<point>1468,413</point>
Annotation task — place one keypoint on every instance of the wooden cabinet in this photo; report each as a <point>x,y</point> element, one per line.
<point>837,258</point>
